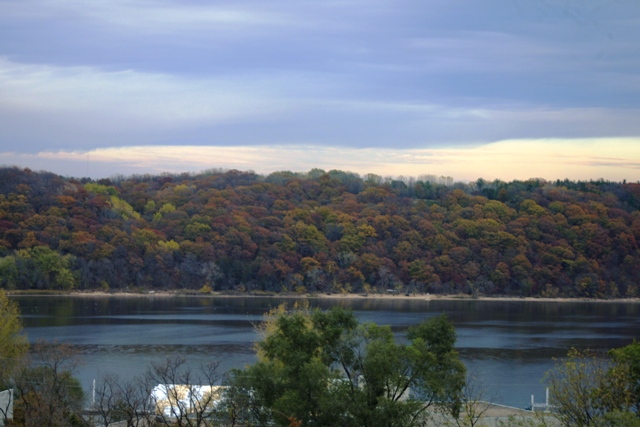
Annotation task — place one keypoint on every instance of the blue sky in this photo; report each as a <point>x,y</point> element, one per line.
<point>495,89</point>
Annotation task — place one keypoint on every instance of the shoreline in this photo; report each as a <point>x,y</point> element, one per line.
<point>416,297</point>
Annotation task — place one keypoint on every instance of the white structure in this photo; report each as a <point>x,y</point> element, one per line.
<point>6,406</point>
<point>179,400</point>
<point>544,406</point>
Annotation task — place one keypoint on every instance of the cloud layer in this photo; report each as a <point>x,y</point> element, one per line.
<point>357,75</point>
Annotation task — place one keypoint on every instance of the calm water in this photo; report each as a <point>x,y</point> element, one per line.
<point>509,345</point>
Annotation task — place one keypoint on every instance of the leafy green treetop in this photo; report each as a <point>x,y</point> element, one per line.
<point>326,369</point>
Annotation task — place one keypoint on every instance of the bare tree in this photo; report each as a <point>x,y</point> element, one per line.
<point>124,400</point>
<point>134,402</point>
<point>47,393</point>
<point>184,396</point>
<point>476,402</point>
<point>106,399</point>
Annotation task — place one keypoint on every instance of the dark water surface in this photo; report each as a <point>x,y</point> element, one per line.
<point>508,344</point>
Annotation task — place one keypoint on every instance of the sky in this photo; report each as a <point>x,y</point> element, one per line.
<point>498,89</point>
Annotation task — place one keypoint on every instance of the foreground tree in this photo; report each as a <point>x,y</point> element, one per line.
<point>170,393</point>
<point>183,396</point>
<point>13,343</point>
<point>107,399</point>
<point>589,389</point>
<point>123,401</point>
<point>325,369</point>
<point>48,395</point>
<point>13,346</point>
<point>627,359</point>
<point>475,403</point>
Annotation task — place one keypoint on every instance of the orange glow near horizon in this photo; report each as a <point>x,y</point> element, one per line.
<point>614,159</point>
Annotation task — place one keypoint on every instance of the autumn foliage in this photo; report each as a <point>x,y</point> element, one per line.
<point>319,232</point>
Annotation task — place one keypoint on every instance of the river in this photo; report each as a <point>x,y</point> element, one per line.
<point>507,345</point>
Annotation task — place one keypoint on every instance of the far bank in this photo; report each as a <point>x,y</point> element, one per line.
<point>338,296</point>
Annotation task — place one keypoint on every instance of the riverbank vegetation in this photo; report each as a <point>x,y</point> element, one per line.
<point>319,232</point>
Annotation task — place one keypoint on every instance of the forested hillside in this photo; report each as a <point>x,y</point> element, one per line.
<point>319,232</point>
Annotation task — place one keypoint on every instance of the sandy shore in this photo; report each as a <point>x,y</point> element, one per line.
<point>422,297</point>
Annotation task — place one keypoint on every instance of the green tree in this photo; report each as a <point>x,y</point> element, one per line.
<point>9,274</point>
<point>620,419</point>
<point>13,343</point>
<point>44,268</point>
<point>13,346</point>
<point>325,369</point>
<point>627,363</point>
<point>587,389</point>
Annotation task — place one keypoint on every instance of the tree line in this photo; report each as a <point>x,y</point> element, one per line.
<point>320,231</point>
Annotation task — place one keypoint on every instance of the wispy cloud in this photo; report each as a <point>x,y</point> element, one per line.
<point>156,97</point>
<point>155,16</point>
<point>81,107</point>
